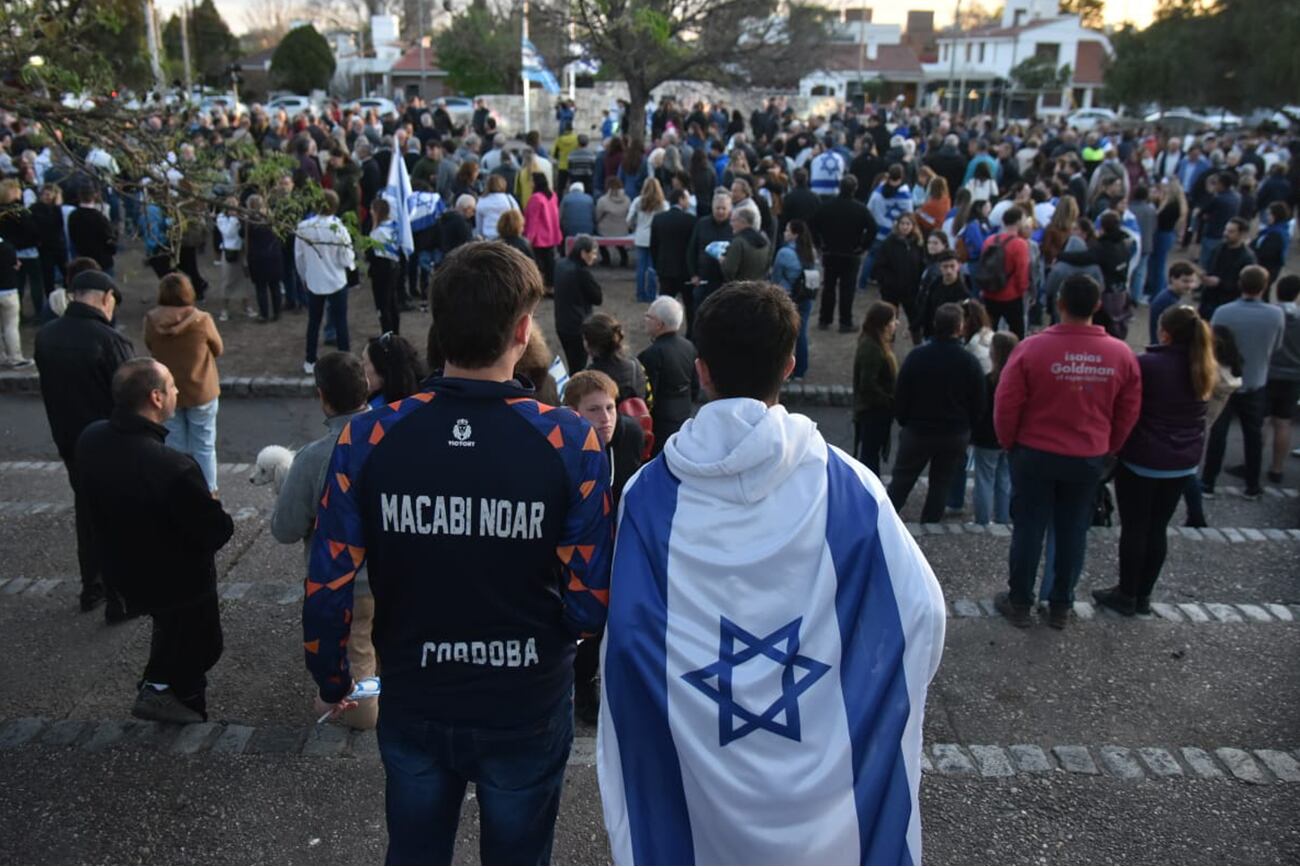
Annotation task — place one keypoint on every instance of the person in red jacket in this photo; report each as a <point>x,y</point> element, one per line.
<point>1008,300</point>
<point>1068,397</point>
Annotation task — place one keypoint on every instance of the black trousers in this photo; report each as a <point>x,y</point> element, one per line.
<point>268,298</point>
<point>188,262</point>
<point>92,580</point>
<point>586,663</point>
<point>575,353</point>
<point>545,257</point>
<point>871,438</point>
<point>186,643</point>
<point>943,452</point>
<point>1145,508</point>
<point>839,282</point>
<point>1249,407</point>
<point>1012,311</point>
<point>384,278</point>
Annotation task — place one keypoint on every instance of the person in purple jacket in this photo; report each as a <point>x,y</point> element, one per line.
<point>1165,447</point>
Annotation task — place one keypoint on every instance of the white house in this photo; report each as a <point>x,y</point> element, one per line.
<point>977,63</point>
<point>368,73</point>
<point>866,58</point>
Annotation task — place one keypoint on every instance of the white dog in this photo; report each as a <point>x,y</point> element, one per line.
<point>272,467</point>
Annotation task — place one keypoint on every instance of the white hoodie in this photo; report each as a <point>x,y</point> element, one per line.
<point>772,631</point>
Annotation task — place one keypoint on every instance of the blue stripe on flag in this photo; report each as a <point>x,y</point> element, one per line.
<point>871,667</point>
<point>635,675</point>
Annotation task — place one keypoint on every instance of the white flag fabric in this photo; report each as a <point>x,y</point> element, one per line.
<point>398,194</point>
<point>772,631</point>
<point>423,210</point>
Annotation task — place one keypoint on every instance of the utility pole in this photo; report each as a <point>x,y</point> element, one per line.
<point>151,33</point>
<point>185,50</point>
<point>424,66</point>
<point>862,54</point>
<point>952,60</point>
<point>523,73</point>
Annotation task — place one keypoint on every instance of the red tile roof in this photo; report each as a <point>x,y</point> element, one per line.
<point>1089,63</point>
<point>890,59</point>
<point>410,61</point>
<point>997,31</point>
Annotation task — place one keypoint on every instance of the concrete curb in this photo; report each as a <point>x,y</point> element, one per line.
<point>1256,767</point>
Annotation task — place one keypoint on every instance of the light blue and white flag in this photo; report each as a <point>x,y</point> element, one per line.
<point>772,631</point>
<point>423,209</point>
<point>398,194</point>
<point>534,67</point>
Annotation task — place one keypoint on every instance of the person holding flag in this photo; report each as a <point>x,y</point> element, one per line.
<point>423,208</point>
<point>398,193</point>
<point>772,630</point>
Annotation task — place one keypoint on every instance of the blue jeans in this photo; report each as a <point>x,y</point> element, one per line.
<point>338,306</point>
<point>644,267</point>
<point>992,496</point>
<point>1056,490</point>
<point>1157,265</point>
<point>864,276</point>
<point>1138,282</point>
<point>517,776</point>
<point>193,430</point>
<point>801,344</point>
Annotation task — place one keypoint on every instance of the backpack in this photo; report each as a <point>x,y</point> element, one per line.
<point>635,408</point>
<point>806,285</point>
<point>990,271</point>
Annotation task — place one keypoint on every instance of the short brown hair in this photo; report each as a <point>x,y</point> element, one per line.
<point>1252,280</point>
<point>478,294</point>
<point>586,382</point>
<point>175,290</point>
<point>496,183</point>
<point>510,224</point>
<point>745,334</point>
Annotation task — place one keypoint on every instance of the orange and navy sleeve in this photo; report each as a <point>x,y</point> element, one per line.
<point>338,550</point>
<point>586,542</point>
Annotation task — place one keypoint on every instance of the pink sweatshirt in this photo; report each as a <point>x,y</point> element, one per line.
<point>542,221</point>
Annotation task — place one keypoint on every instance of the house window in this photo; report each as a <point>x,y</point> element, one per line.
<point>1047,51</point>
<point>968,48</point>
<point>981,52</point>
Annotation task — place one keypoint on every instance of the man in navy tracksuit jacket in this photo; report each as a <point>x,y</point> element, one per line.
<point>484,519</point>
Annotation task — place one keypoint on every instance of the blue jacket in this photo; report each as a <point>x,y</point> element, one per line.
<point>577,214</point>
<point>786,268</point>
<point>484,520</point>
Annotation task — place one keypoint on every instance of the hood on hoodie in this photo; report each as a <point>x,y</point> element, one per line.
<point>753,237</point>
<point>171,321</point>
<point>741,451</point>
<point>1075,245</point>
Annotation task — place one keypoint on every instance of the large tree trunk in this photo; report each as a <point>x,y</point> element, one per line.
<point>634,121</point>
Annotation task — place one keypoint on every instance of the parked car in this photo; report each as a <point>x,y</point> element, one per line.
<point>223,101</point>
<point>461,109</point>
<point>1181,121</point>
<point>1086,118</point>
<point>378,103</point>
<point>293,105</point>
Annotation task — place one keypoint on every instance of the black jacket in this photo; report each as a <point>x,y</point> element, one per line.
<point>18,226</point>
<point>1226,263</point>
<point>801,203</point>
<point>624,453</point>
<point>669,364</point>
<point>626,373</point>
<point>949,165</point>
<point>941,389</point>
<point>76,356</point>
<point>92,235</point>
<point>49,226</point>
<point>670,235</point>
<point>843,227</point>
<point>983,435</point>
<point>1109,252</point>
<point>576,292</point>
<point>897,268</point>
<point>698,262</point>
<point>934,294</point>
<point>453,231</point>
<point>155,524</point>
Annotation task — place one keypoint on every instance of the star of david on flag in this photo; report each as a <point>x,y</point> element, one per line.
<point>737,647</point>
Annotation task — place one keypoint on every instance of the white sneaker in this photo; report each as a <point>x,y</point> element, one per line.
<point>223,316</point>
<point>308,367</point>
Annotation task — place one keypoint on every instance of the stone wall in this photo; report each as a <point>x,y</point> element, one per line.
<point>592,103</point>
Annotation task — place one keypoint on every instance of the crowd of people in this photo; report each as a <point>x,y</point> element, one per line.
<point>1014,257</point>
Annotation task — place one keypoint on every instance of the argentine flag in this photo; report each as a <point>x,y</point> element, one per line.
<point>772,631</point>
<point>398,194</point>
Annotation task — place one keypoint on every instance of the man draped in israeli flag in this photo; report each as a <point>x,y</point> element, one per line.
<point>772,631</point>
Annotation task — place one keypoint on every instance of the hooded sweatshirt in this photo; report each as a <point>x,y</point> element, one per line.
<point>887,204</point>
<point>747,256</point>
<point>186,340</point>
<point>750,540</point>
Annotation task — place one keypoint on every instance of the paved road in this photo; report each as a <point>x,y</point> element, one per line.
<point>1155,740</point>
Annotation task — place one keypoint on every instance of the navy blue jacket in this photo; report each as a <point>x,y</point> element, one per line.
<point>1170,431</point>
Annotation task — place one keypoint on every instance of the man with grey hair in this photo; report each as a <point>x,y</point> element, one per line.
<point>708,242</point>
<point>749,254</point>
<point>669,363</point>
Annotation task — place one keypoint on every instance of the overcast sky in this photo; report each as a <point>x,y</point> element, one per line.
<point>238,12</point>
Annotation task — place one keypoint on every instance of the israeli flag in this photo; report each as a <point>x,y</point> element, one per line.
<point>423,209</point>
<point>534,67</point>
<point>772,631</point>
<point>398,194</point>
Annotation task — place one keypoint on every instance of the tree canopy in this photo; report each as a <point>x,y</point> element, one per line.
<point>1089,11</point>
<point>1244,56</point>
<point>648,42</point>
<point>212,46</point>
<point>303,61</point>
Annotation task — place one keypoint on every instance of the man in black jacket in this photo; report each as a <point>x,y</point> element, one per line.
<point>76,357</point>
<point>843,228</point>
<point>157,529</point>
<point>576,292</point>
<point>945,284</point>
<point>948,163</point>
<point>704,266</point>
<point>669,363</point>
<point>801,203</point>
<point>90,231</point>
<point>938,400</point>
<point>670,235</point>
<point>1226,263</point>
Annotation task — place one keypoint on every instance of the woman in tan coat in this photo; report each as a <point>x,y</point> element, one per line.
<point>185,339</point>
